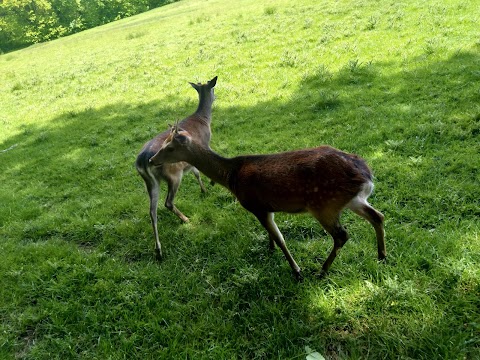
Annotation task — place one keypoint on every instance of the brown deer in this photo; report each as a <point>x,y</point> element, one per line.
<point>198,126</point>
<point>322,181</point>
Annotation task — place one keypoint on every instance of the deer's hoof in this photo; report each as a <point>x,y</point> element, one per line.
<point>322,274</point>
<point>158,255</point>
<point>298,276</point>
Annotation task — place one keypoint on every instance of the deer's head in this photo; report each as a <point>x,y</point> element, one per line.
<point>175,147</point>
<point>205,88</point>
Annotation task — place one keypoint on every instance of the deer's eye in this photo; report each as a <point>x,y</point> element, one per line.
<point>169,149</point>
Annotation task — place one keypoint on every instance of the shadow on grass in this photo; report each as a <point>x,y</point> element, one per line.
<point>74,180</point>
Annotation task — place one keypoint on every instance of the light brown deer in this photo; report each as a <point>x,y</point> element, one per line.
<point>322,181</point>
<point>198,125</point>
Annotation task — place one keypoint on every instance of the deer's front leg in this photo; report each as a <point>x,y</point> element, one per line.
<point>276,237</point>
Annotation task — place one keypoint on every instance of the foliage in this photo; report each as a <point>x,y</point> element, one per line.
<point>26,22</point>
<point>395,82</point>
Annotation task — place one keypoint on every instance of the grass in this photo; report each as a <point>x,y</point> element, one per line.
<point>395,83</point>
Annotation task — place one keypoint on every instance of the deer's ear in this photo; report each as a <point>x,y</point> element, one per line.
<point>182,139</point>
<point>195,86</point>
<point>213,82</point>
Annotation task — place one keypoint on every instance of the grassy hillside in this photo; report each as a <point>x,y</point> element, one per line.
<point>396,83</point>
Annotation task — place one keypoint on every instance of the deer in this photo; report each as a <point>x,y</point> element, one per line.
<point>198,125</point>
<point>322,181</point>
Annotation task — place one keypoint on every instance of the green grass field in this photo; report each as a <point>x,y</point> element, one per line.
<point>397,83</point>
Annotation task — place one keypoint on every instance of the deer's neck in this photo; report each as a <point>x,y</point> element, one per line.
<point>205,104</point>
<point>214,166</point>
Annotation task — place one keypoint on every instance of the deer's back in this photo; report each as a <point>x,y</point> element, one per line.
<point>298,180</point>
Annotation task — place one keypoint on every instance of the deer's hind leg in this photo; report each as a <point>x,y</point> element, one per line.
<point>173,183</point>
<point>362,208</point>
<point>199,179</point>
<point>331,223</point>
<point>153,189</point>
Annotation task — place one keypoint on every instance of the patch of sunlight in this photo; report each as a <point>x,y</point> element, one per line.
<point>75,155</point>
<point>327,299</point>
<point>464,261</point>
<point>405,108</point>
<point>379,154</point>
<point>14,169</point>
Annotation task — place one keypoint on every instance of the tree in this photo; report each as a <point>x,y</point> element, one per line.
<point>26,22</point>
